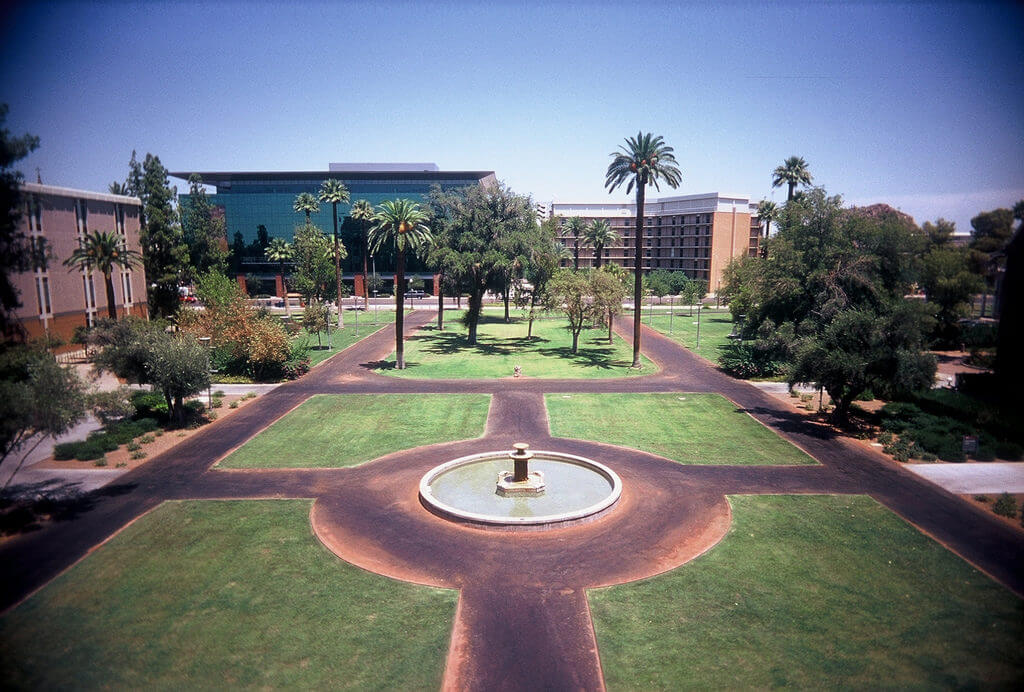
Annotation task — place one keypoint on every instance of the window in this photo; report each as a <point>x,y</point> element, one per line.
<point>81,216</point>
<point>35,214</point>
<point>89,290</point>
<point>43,294</point>
<point>119,219</point>
<point>126,279</point>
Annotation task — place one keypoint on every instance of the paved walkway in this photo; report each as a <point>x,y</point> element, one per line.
<point>965,479</point>
<point>528,625</point>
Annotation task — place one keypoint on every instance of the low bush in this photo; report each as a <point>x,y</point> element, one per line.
<point>150,405</point>
<point>146,439</point>
<point>885,437</point>
<point>1005,506</point>
<point>133,446</point>
<point>138,455</point>
<point>102,461</point>
<point>88,450</point>
<point>217,402</point>
<point>233,404</point>
<point>745,360</point>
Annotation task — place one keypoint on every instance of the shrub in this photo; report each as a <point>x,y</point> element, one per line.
<point>1006,449</point>
<point>133,446</point>
<point>248,395</point>
<point>121,464</point>
<point>885,437</point>
<point>233,404</point>
<point>88,450</point>
<point>146,439</point>
<point>102,461</point>
<point>1005,506</point>
<point>745,360</point>
<point>137,455</point>
<point>150,405</point>
<point>218,392</point>
<point>217,402</point>
<point>65,450</point>
<point>112,405</point>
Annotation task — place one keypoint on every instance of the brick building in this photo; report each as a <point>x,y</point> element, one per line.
<point>697,234</point>
<point>55,299</point>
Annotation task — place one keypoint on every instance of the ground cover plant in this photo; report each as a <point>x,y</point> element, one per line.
<point>811,592</point>
<point>688,428</point>
<point>330,431</point>
<point>935,426</point>
<point>238,594</point>
<point>501,346</point>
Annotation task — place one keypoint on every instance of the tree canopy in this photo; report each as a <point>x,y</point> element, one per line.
<point>15,252</point>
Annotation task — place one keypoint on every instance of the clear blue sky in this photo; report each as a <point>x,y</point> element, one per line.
<point>920,105</point>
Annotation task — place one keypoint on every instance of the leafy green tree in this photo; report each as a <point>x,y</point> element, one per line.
<point>362,211</point>
<point>306,203</point>
<point>478,234</point>
<point>574,228</point>
<point>164,253</point>
<point>281,251</point>
<point>545,255</point>
<point>791,173</point>
<point>204,232</point>
<point>608,292</point>
<point>102,251</point>
<point>334,192</point>
<point>991,233</point>
<point>948,284</point>
<point>15,250</point>
<point>570,292</point>
<point>38,399</point>
<point>940,233</point>
<point>598,235</point>
<point>314,266</point>
<point>644,160</point>
<point>659,282</point>
<point>237,252</point>
<point>178,366</point>
<point>316,318</point>
<point>121,346</point>
<point>399,224</point>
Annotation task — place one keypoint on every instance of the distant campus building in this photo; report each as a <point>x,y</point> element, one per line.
<point>697,234</point>
<point>55,299</point>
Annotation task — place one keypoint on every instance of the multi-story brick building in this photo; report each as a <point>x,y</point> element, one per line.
<point>55,299</point>
<point>697,234</point>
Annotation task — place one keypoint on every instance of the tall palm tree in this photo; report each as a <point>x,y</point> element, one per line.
<point>334,192</point>
<point>574,228</point>
<point>362,211</point>
<point>281,251</point>
<point>101,250</point>
<point>792,172</point>
<point>598,235</point>
<point>644,160</point>
<point>401,224</point>
<point>306,203</point>
<point>767,212</point>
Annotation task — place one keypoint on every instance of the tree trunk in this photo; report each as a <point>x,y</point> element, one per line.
<point>337,267</point>
<point>179,410</point>
<point>792,187</point>
<point>576,254</point>
<point>400,310</point>
<point>611,315</point>
<point>575,340</point>
<point>440,300</point>
<point>284,289</point>
<point>476,299</point>
<point>366,252</point>
<point>638,281</point>
<point>597,256</point>
<point>111,308</point>
<point>506,297</point>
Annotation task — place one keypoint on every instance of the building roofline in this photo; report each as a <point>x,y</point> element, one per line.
<point>40,189</point>
<point>213,177</point>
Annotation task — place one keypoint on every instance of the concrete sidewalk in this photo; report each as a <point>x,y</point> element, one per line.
<point>964,479</point>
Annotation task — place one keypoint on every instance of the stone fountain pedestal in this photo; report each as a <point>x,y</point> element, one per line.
<point>520,481</point>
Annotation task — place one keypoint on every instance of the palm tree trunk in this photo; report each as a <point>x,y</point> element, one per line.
<point>440,300</point>
<point>284,289</point>
<point>399,309</point>
<point>111,308</point>
<point>576,254</point>
<point>598,249</point>
<point>611,316</point>
<point>792,187</point>
<point>638,281</point>
<point>337,267</point>
<point>366,252</point>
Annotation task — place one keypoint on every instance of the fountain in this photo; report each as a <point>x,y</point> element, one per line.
<point>560,489</point>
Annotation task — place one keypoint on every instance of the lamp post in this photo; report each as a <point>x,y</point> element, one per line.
<point>698,325</point>
<point>670,313</point>
<point>205,341</point>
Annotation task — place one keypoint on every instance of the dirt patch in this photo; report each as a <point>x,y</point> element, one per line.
<point>163,440</point>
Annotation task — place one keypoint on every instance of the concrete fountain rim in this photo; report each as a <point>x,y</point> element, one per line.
<point>560,519</point>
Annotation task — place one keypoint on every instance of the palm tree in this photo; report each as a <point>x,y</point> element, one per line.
<point>644,160</point>
<point>306,203</point>
<point>767,211</point>
<point>574,227</point>
<point>334,192</point>
<point>792,172</point>
<point>280,251</point>
<point>598,235</point>
<point>101,250</point>
<point>362,211</point>
<point>399,223</point>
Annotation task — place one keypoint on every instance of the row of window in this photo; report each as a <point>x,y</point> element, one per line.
<point>88,289</point>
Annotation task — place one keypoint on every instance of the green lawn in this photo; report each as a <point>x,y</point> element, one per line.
<point>812,592</point>
<point>335,430</point>
<point>715,327</point>
<point>225,594</point>
<point>689,428</point>
<point>355,329</point>
<point>500,347</point>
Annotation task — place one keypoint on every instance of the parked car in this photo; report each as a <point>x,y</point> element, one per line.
<point>415,294</point>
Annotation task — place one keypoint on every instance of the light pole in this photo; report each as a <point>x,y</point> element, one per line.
<point>205,341</point>
<point>670,311</point>
<point>698,325</point>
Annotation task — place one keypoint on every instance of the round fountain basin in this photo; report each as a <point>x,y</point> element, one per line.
<point>464,489</point>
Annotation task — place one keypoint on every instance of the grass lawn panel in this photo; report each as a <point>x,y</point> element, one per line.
<point>812,592</point>
<point>346,336</point>
<point>715,327</point>
<point>224,595</point>
<point>688,428</point>
<point>336,430</point>
<point>500,347</point>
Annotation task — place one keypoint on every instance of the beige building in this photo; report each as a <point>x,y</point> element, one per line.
<point>55,299</point>
<point>696,234</point>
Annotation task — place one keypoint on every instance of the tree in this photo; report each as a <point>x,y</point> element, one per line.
<point>948,284</point>
<point>574,228</point>
<point>165,255</point>
<point>571,293</point>
<point>597,235</point>
<point>792,172</point>
<point>203,232</point>
<point>608,291</point>
<point>478,232</point>
<point>178,366</point>
<point>399,224</point>
<point>15,251</point>
<point>939,234</point>
<point>38,398</point>
<point>102,251</point>
<point>644,160</point>
<point>280,251</point>
<point>237,252</point>
<point>362,211</point>
<point>334,192</point>
<point>314,266</point>
<point>545,254</point>
<point>306,203</point>
<point>315,318</point>
<point>767,212</point>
